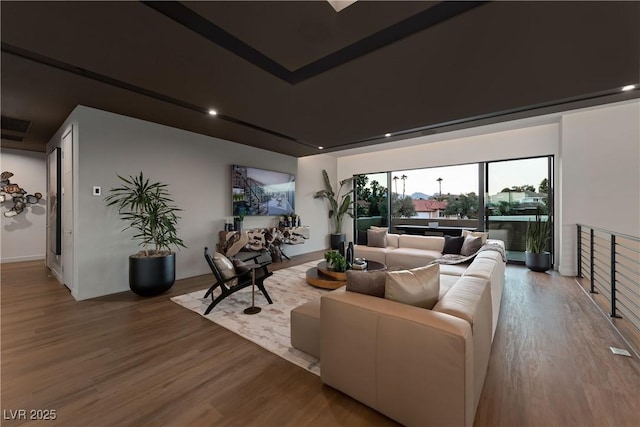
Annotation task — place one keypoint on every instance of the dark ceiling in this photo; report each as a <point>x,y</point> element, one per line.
<point>292,76</point>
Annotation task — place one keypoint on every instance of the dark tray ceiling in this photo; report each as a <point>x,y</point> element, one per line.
<point>292,76</point>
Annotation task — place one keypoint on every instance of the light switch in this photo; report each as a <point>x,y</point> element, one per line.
<point>97,191</point>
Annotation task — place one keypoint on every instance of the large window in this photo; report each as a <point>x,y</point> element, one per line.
<point>371,203</point>
<point>444,192</point>
<point>500,197</point>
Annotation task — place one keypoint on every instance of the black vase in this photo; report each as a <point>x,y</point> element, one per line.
<point>152,275</point>
<point>349,255</point>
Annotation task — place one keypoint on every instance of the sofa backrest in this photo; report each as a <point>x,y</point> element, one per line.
<point>412,364</point>
<point>432,243</point>
<point>470,299</point>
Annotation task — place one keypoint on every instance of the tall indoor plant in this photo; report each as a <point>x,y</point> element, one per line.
<point>150,211</point>
<point>537,258</point>
<point>339,206</point>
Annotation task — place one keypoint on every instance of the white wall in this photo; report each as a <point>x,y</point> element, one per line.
<point>197,169</point>
<point>444,151</point>
<point>600,174</point>
<point>24,235</point>
<point>314,212</point>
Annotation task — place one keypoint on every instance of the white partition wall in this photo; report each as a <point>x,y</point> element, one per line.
<point>23,236</point>
<point>600,174</point>
<point>197,169</point>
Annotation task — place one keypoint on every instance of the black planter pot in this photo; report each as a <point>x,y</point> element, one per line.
<point>537,262</point>
<point>336,239</point>
<point>152,276</point>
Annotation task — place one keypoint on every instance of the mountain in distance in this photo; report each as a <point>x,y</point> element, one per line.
<point>418,195</point>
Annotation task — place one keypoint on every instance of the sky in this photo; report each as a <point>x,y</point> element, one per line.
<point>464,178</point>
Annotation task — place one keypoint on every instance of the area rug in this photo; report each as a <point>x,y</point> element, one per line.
<point>270,328</point>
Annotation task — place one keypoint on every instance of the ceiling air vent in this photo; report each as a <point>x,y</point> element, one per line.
<point>12,137</point>
<point>14,129</point>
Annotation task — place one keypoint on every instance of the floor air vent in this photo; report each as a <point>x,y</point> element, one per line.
<point>620,352</point>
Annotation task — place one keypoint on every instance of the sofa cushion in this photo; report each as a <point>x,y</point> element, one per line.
<point>377,238</point>
<point>452,245</point>
<point>453,269</point>
<point>482,234</point>
<point>431,243</point>
<point>305,327</point>
<point>411,257</point>
<point>471,245</point>
<point>371,253</point>
<point>463,297</point>
<point>446,282</point>
<point>419,287</point>
<point>367,282</point>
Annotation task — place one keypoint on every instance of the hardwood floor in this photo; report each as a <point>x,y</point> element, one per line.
<point>122,360</point>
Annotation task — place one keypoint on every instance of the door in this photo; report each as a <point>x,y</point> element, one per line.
<point>67,209</point>
<point>516,192</point>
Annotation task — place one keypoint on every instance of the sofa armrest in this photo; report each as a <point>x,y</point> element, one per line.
<point>412,364</point>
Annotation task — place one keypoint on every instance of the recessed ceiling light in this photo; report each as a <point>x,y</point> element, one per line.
<point>320,147</point>
<point>213,112</point>
<point>387,135</point>
<point>628,87</point>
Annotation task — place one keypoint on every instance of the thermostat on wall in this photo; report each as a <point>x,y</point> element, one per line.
<point>97,191</point>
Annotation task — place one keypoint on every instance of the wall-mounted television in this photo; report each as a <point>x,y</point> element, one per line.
<point>262,192</point>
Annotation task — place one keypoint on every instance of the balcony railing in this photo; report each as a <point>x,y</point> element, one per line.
<point>611,263</point>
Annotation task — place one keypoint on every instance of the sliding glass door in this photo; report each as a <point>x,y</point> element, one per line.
<point>371,203</point>
<point>517,191</point>
<point>499,196</point>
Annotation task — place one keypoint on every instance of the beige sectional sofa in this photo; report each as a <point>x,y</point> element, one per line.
<point>417,366</point>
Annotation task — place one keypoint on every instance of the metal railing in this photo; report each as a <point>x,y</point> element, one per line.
<point>611,263</point>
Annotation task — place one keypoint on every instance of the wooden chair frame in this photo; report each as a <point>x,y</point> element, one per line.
<point>243,280</point>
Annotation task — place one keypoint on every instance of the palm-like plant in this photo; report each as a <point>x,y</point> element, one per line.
<point>339,204</point>
<point>150,211</point>
<point>537,235</point>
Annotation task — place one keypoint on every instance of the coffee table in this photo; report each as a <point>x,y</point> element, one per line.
<point>322,277</point>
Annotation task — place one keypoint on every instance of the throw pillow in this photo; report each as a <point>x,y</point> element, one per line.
<point>419,287</point>
<point>225,267</point>
<point>367,282</point>
<point>482,234</point>
<point>377,238</point>
<point>471,245</point>
<point>452,245</point>
<point>240,266</point>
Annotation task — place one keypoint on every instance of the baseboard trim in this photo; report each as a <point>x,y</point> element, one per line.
<point>22,258</point>
<point>567,272</point>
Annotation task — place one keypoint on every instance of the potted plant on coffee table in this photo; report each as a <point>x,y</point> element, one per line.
<point>335,261</point>
<point>339,206</point>
<point>537,258</point>
<point>150,211</point>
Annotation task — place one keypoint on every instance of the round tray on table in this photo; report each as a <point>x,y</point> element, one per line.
<point>322,277</point>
